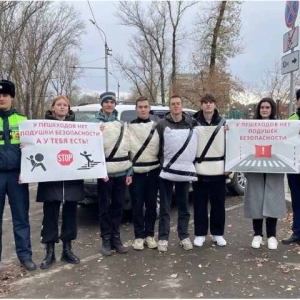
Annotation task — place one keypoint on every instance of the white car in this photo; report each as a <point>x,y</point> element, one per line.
<point>87,113</point>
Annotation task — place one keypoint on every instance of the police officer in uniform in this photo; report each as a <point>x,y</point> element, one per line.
<point>10,162</point>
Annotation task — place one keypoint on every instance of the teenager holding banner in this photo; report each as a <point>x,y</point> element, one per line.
<point>294,184</point>
<point>209,165</point>
<point>264,194</point>
<point>53,193</point>
<point>111,190</point>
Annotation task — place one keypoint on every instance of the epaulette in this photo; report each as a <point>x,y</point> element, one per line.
<point>20,114</point>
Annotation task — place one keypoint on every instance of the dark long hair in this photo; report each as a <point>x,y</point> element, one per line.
<point>273,108</point>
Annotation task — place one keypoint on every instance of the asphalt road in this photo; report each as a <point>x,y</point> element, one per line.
<point>234,271</point>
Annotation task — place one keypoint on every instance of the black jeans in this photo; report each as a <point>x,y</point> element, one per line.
<point>270,226</point>
<point>294,184</point>
<point>143,192</point>
<point>49,232</point>
<point>215,191</point>
<point>18,198</point>
<point>182,199</point>
<point>111,195</point>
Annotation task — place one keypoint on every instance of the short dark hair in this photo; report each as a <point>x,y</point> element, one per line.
<point>142,98</point>
<point>273,108</point>
<point>175,96</point>
<point>208,98</point>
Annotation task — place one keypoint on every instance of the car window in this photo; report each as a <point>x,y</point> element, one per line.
<point>159,113</point>
<point>86,116</point>
<point>128,115</point>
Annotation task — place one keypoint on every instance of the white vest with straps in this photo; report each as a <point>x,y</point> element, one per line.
<point>213,162</point>
<point>144,147</point>
<point>116,147</point>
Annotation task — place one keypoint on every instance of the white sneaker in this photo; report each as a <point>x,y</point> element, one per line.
<point>138,244</point>
<point>162,246</point>
<point>272,243</point>
<point>186,244</point>
<point>256,242</point>
<point>219,240</point>
<point>150,242</point>
<point>199,240</point>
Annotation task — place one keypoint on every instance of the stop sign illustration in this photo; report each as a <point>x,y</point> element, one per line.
<point>65,157</point>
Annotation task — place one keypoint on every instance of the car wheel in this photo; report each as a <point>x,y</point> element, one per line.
<point>237,188</point>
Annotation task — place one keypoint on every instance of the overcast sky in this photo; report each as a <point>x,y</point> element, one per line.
<point>263,26</point>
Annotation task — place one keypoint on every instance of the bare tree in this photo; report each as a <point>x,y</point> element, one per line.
<point>218,33</point>
<point>176,12</point>
<point>151,24</point>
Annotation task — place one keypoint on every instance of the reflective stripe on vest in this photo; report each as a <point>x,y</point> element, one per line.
<point>13,122</point>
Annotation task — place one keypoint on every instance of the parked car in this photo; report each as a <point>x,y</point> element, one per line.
<point>235,182</point>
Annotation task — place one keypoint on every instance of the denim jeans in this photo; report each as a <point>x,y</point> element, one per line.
<point>294,184</point>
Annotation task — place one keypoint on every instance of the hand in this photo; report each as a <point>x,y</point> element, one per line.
<point>105,179</point>
<point>20,179</point>
<point>226,127</point>
<point>101,127</point>
<point>227,173</point>
<point>22,145</point>
<point>128,180</point>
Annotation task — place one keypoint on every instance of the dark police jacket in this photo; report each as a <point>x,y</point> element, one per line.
<point>70,190</point>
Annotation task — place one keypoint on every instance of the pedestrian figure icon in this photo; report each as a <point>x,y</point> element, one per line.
<point>87,157</point>
<point>36,161</point>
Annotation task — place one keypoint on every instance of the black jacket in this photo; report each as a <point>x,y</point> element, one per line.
<point>216,118</point>
<point>70,190</point>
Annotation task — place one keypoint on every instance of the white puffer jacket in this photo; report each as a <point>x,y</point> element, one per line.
<point>139,132</point>
<point>111,135</point>
<point>174,139</point>
<point>217,149</point>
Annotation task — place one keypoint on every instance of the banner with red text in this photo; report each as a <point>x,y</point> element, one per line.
<point>263,146</point>
<point>56,150</point>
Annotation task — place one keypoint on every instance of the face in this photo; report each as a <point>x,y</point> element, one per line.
<point>265,110</point>
<point>208,107</point>
<point>108,106</point>
<point>175,106</point>
<point>143,109</point>
<point>60,108</point>
<point>5,101</point>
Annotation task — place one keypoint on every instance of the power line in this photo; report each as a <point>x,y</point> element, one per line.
<point>94,19</point>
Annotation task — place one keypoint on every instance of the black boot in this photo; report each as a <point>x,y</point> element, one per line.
<point>50,256</point>
<point>117,245</point>
<point>67,254</point>
<point>106,247</point>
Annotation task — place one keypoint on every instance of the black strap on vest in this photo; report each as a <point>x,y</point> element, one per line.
<point>146,164</point>
<point>118,159</point>
<point>179,152</point>
<point>146,143</point>
<point>178,172</point>
<point>117,145</point>
<point>210,141</point>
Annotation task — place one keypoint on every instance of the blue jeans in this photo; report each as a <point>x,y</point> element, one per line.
<point>182,201</point>
<point>18,198</point>
<point>294,184</point>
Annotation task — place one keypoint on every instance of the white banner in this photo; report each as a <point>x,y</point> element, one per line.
<point>56,150</point>
<point>263,146</point>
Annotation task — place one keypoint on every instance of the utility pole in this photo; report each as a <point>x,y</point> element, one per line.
<point>106,53</point>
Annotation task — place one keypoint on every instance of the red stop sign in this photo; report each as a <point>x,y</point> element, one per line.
<point>65,157</point>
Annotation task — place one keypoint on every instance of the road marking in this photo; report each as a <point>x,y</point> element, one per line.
<point>248,163</point>
<point>259,163</point>
<point>270,164</point>
<point>253,164</point>
<point>281,163</point>
<point>264,163</point>
<point>243,162</point>
<point>275,163</point>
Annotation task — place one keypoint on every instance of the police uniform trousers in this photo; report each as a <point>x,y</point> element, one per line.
<point>49,231</point>
<point>18,198</point>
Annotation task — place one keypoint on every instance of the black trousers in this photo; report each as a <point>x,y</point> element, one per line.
<point>49,231</point>
<point>270,226</point>
<point>111,196</point>
<point>215,191</point>
<point>182,201</point>
<point>18,198</point>
<point>294,184</point>
<point>143,192</point>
